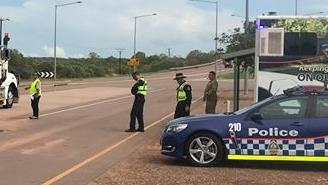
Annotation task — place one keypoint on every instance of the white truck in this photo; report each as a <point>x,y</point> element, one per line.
<point>9,93</point>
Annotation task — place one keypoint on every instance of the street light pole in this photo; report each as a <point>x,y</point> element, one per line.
<point>135,35</point>
<point>216,39</point>
<point>216,31</point>
<point>55,35</point>
<point>55,45</point>
<point>296,7</point>
<point>135,41</point>
<point>246,32</point>
<point>247,17</point>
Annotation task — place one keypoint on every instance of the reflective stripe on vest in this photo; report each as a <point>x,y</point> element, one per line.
<point>181,93</point>
<point>32,90</point>
<point>143,88</point>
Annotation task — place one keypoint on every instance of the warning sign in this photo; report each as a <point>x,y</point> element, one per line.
<point>133,62</point>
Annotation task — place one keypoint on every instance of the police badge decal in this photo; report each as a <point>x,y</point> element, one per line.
<point>273,147</point>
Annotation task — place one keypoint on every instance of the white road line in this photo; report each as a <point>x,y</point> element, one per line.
<point>150,78</point>
<point>93,104</point>
<point>105,151</point>
<point>28,139</point>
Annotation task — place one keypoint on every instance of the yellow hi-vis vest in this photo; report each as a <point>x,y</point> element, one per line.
<point>32,90</point>
<point>143,88</point>
<point>181,94</point>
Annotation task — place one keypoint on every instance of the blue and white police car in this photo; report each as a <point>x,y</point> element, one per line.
<point>288,127</point>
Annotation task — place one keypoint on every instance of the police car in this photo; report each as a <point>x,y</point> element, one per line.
<point>288,127</point>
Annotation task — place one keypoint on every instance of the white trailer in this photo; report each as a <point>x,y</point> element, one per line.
<point>276,54</point>
<point>9,93</point>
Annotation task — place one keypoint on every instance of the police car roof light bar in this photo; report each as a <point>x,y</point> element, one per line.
<point>314,89</point>
<point>300,90</point>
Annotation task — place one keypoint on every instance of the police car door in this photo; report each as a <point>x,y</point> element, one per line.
<point>278,128</point>
<point>317,143</point>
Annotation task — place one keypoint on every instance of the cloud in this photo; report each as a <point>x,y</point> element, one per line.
<point>31,54</point>
<point>79,55</point>
<point>103,25</point>
<point>49,52</point>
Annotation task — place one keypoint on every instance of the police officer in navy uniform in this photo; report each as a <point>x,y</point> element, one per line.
<point>184,96</point>
<point>139,90</point>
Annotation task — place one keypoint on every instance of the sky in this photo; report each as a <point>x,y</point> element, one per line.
<point>102,26</point>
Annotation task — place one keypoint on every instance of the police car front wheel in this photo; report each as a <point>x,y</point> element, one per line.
<point>204,149</point>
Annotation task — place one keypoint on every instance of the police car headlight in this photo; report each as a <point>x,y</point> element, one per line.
<point>176,128</point>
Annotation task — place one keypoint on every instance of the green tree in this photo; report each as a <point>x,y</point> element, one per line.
<point>93,55</point>
<point>238,40</point>
<point>19,65</point>
<point>198,57</point>
<point>319,26</point>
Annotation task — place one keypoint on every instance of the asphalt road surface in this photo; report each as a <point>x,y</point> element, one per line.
<point>80,133</point>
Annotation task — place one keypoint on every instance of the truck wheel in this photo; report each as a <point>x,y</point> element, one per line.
<point>204,149</point>
<point>10,98</point>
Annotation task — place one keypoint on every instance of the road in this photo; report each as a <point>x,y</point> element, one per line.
<point>80,131</point>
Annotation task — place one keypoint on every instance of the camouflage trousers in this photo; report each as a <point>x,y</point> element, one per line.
<point>210,105</point>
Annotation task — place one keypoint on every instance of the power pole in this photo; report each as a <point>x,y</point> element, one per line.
<point>120,51</point>
<point>169,52</point>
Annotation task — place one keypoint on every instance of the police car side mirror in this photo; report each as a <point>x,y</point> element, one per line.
<point>257,116</point>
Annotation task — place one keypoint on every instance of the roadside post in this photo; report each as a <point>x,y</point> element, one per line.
<point>236,80</point>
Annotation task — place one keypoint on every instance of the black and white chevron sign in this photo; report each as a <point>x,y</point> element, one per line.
<point>46,74</point>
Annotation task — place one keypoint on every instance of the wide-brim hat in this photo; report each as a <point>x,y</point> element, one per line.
<point>179,76</point>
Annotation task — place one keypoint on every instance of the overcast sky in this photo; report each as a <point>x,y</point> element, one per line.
<point>103,25</point>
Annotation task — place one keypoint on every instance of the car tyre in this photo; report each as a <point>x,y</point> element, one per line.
<point>204,149</point>
<point>10,99</point>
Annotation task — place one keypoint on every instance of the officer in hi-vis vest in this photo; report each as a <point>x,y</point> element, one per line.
<point>35,94</point>
<point>139,90</point>
<point>184,97</point>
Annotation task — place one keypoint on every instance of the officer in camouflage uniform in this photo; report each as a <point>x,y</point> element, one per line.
<point>210,94</point>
